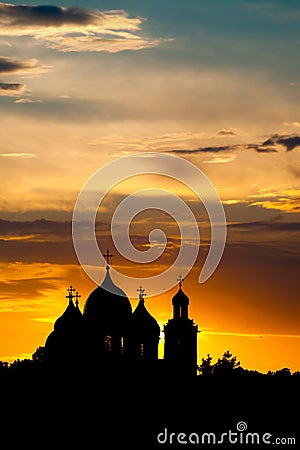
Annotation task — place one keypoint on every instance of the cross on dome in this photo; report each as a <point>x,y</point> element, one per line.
<point>141,292</point>
<point>107,256</point>
<point>77,297</point>
<point>70,295</point>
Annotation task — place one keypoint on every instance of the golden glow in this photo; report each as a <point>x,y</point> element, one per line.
<point>35,298</point>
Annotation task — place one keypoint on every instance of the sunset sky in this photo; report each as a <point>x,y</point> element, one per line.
<point>214,82</point>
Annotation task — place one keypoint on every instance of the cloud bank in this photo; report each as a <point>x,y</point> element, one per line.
<point>74,29</point>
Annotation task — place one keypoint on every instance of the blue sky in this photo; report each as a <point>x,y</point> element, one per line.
<point>258,40</point>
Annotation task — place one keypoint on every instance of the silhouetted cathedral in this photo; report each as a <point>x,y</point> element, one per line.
<point>109,332</point>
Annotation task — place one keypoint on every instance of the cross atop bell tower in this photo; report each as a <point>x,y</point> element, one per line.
<point>181,280</point>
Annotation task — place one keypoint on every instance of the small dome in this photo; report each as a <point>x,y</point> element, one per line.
<point>180,298</point>
<point>142,321</point>
<point>108,307</point>
<point>65,341</point>
<point>70,319</point>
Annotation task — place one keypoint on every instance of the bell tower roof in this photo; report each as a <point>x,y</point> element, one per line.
<point>180,302</point>
<point>180,298</point>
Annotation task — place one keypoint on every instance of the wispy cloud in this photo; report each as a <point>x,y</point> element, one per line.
<point>17,155</point>
<point>30,290</point>
<point>288,205</point>
<point>227,132</point>
<point>75,29</point>
<point>160,142</point>
<point>26,100</point>
<point>292,124</point>
<point>285,200</point>
<point>50,319</point>
<point>217,159</point>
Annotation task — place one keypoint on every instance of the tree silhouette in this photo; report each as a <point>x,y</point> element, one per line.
<point>206,368</point>
<point>285,372</point>
<point>226,365</point>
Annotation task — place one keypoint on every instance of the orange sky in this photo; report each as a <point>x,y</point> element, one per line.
<point>82,88</point>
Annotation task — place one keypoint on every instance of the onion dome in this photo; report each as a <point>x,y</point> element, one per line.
<point>143,324</point>
<point>71,319</point>
<point>65,341</point>
<point>108,307</point>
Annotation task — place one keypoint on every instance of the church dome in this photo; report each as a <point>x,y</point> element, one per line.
<point>65,341</point>
<point>69,320</point>
<point>108,307</point>
<point>142,322</point>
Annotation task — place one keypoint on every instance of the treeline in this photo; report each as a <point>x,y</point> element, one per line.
<point>85,404</point>
<point>227,366</point>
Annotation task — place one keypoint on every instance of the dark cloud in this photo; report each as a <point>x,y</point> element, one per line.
<point>224,148</point>
<point>272,225</point>
<point>288,141</point>
<point>226,132</point>
<point>45,15</point>
<point>14,65</point>
<point>11,87</point>
<point>42,241</point>
<point>36,227</point>
<point>261,148</point>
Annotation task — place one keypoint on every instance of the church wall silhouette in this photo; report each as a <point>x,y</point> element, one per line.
<point>110,333</point>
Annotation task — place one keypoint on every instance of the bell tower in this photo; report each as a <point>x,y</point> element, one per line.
<point>180,348</point>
